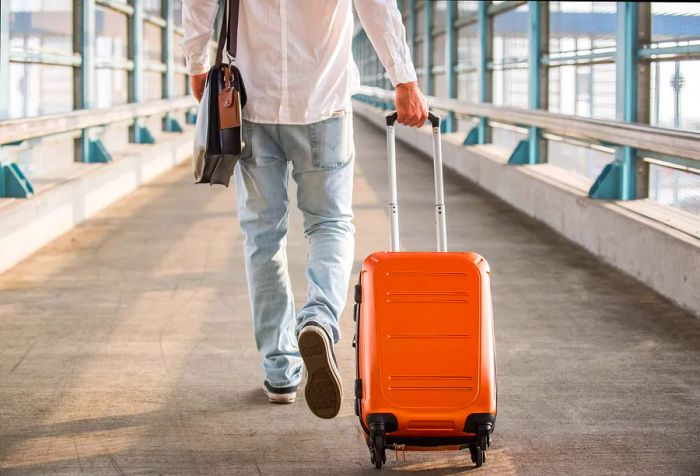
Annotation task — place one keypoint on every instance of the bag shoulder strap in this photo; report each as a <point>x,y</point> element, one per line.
<point>229,30</point>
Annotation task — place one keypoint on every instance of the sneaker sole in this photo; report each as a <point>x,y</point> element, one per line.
<point>324,388</point>
<point>281,398</point>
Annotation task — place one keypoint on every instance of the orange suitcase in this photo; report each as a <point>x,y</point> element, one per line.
<point>424,338</point>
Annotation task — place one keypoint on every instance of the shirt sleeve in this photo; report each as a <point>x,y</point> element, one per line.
<point>382,22</point>
<point>198,18</point>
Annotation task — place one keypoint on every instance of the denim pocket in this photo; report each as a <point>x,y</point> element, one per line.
<point>247,136</point>
<point>331,141</point>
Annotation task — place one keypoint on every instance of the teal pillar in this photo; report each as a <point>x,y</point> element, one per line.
<point>618,179</point>
<point>139,133</point>
<point>4,59</point>
<point>531,150</point>
<point>428,47</point>
<point>450,123</point>
<point>170,123</point>
<point>87,149</point>
<point>190,115</point>
<point>486,43</point>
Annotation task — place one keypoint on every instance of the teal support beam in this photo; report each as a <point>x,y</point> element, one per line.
<point>98,153</point>
<point>190,115</point>
<point>13,183</point>
<point>450,123</point>
<point>170,123</point>
<point>472,137</point>
<point>533,150</point>
<point>87,149</point>
<point>485,53</point>
<point>428,47</point>
<point>618,179</point>
<point>139,134</point>
<point>4,59</point>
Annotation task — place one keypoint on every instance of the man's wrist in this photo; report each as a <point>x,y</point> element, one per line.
<point>407,86</point>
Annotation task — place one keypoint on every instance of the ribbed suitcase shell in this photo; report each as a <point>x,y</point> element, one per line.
<point>425,345</point>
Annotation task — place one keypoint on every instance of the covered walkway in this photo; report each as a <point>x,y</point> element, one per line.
<point>126,345</point>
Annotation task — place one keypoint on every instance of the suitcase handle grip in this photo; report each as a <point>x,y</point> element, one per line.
<point>440,218</point>
<point>433,118</point>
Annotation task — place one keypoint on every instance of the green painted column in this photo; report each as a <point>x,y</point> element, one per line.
<point>139,133</point>
<point>538,76</point>
<point>628,155</point>
<point>450,60</point>
<point>4,59</point>
<point>168,58</point>
<point>136,47</point>
<point>85,96</point>
<point>170,122</point>
<point>428,46</point>
<point>618,179</point>
<point>485,54</point>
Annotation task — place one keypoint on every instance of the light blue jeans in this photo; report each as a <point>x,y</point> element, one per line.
<point>321,158</point>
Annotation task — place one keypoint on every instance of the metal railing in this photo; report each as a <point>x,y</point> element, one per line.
<point>17,130</point>
<point>666,147</point>
<point>13,182</point>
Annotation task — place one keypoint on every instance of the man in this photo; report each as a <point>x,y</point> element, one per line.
<point>296,61</point>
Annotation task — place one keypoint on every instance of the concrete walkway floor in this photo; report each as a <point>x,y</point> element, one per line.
<point>126,346</point>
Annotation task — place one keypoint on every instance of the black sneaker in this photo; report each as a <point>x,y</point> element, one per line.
<point>280,395</point>
<point>324,388</point>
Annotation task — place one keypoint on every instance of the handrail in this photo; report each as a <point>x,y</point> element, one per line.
<point>659,140</point>
<point>16,130</point>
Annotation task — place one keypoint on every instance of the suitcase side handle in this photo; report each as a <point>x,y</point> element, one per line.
<point>440,212</point>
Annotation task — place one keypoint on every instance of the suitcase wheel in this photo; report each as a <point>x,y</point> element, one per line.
<point>377,448</point>
<point>478,450</point>
<point>377,454</point>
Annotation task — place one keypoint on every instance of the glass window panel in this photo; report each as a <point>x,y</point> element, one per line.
<point>37,89</point>
<point>152,7</point>
<point>591,23</point>
<point>675,188</point>
<point>675,21</point>
<point>507,138</point>
<point>510,87</point>
<point>439,49</point>
<point>468,86</point>
<point>583,90</point>
<point>177,12</point>
<point>152,42</point>
<point>178,52</point>
<point>41,25</point>
<point>510,34</point>
<point>112,87</point>
<point>675,95</point>
<point>153,85</point>
<point>179,85</point>
<point>468,45</point>
<point>584,161</point>
<point>420,21</point>
<point>418,54</point>
<point>111,29</point>
<point>467,8</point>
<point>440,85</point>
<point>439,14</point>
<point>45,159</point>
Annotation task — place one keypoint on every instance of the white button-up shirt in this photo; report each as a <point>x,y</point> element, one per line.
<point>295,55</point>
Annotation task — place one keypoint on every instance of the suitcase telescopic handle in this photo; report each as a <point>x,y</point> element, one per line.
<point>440,218</point>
